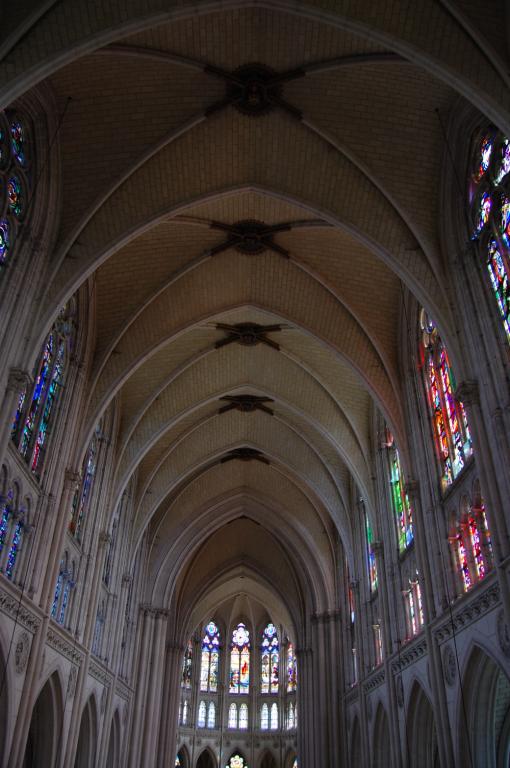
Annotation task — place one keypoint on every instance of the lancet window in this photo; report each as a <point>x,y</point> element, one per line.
<point>270,660</point>
<point>401,504</point>
<point>210,658</point>
<point>17,174</point>
<point>414,606</point>
<point>470,543</point>
<point>35,414</point>
<point>187,666</point>
<point>370,550</point>
<point>240,660</point>
<point>61,596</point>
<point>291,669</point>
<point>81,499</point>
<point>489,214</point>
<point>451,431</point>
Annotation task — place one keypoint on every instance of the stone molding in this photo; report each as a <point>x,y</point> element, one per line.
<point>376,679</point>
<point>22,651</point>
<point>18,380</point>
<point>100,674</point>
<point>468,613</point>
<point>468,392</point>
<point>122,690</point>
<point>58,643</point>
<point>12,607</point>
<point>411,653</point>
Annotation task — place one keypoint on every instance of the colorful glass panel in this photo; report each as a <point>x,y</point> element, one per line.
<point>236,761</point>
<point>51,396</point>
<point>505,219</point>
<point>372,565</point>
<point>270,660</point>
<point>484,156</point>
<point>291,669</point>
<point>4,241</point>
<point>65,600</point>
<point>476,547</point>
<point>483,213</point>
<point>186,666</point>
<point>498,272</point>
<point>58,590</point>
<point>463,563</point>
<point>401,505</point>
<point>4,524</point>
<point>240,660</point>
<point>14,550</point>
<point>18,142</point>
<point>210,658</point>
<point>15,197</point>
<point>503,166</point>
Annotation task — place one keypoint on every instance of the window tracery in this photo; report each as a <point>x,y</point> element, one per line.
<point>451,431</point>
<point>16,179</point>
<point>81,498</point>
<point>270,660</point>
<point>210,658</point>
<point>489,212</point>
<point>240,660</point>
<point>470,543</point>
<point>35,413</point>
<point>187,666</point>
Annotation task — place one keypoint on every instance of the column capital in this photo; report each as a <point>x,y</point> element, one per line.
<point>468,392</point>
<point>104,539</point>
<point>71,479</point>
<point>18,380</point>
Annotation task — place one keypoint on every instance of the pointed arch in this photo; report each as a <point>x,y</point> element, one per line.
<point>267,760</point>
<point>114,742</point>
<point>381,751</point>
<point>485,738</point>
<point>421,729</point>
<point>206,759</point>
<point>87,739</point>
<point>183,757</point>
<point>43,742</point>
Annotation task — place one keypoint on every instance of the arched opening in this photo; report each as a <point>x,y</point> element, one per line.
<point>485,737</point>
<point>87,739</point>
<point>381,744</point>
<point>267,760</point>
<point>114,742</point>
<point>182,759</point>
<point>43,741</point>
<point>421,730</point>
<point>355,743</point>
<point>206,760</point>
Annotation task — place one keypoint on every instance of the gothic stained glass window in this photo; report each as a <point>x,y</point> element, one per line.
<point>372,565</point>
<point>453,439</point>
<point>491,221</point>
<point>36,407</point>
<point>5,512</point>
<point>236,761</point>
<point>82,494</point>
<point>186,666</point>
<point>274,716</point>
<point>290,716</point>
<point>401,505</point>
<point>243,717</point>
<point>185,712</point>
<point>202,710</point>
<point>14,550</point>
<point>58,589</point>
<point>210,658</point>
<point>232,716</point>
<point>211,715</point>
<point>291,669</point>
<point>270,660</point>
<point>16,177</point>
<point>264,717</point>
<point>240,660</point>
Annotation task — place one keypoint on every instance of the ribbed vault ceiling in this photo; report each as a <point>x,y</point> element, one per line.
<point>154,159</point>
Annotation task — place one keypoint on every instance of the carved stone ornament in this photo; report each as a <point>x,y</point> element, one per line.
<point>449,665</point>
<point>71,683</point>
<point>503,634</point>
<point>103,700</point>
<point>400,691</point>
<point>369,708</point>
<point>21,651</point>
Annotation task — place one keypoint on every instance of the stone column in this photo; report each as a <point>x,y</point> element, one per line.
<point>306,706</point>
<point>71,480</point>
<point>168,733</point>
<point>141,686</point>
<point>360,648</point>
<point>151,725</point>
<point>18,381</point>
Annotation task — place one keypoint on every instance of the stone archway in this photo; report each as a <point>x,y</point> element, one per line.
<point>355,754</point>
<point>87,739</point>
<point>485,738</point>
<point>421,729</point>
<point>206,760</point>
<point>112,760</point>
<point>381,750</point>
<point>43,742</point>
<point>268,760</point>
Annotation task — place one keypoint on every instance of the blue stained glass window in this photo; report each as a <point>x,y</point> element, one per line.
<point>5,241</point>
<point>240,660</point>
<point>270,660</point>
<point>13,551</point>
<point>210,658</point>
